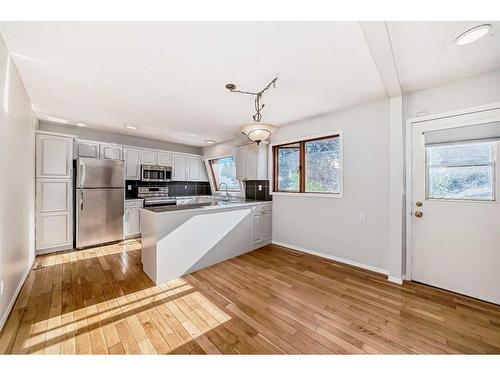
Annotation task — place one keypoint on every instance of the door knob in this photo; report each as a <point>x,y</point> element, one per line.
<point>419,214</point>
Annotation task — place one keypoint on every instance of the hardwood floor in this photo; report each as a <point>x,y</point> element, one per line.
<point>272,300</point>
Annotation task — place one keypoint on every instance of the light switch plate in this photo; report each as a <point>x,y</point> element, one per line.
<point>260,187</point>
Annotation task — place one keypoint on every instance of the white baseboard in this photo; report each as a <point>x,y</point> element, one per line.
<point>14,297</point>
<point>395,280</point>
<point>54,249</point>
<point>337,259</point>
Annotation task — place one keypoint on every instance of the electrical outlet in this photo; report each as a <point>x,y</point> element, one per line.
<point>185,187</point>
<point>362,217</point>
<point>129,187</point>
<point>260,187</point>
<point>1,287</point>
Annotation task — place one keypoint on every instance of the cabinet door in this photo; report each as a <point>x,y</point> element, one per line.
<point>240,163</point>
<point>257,227</point>
<point>87,149</point>
<point>132,221</point>
<point>149,157</point>
<point>54,219</point>
<point>110,152</point>
<point>165,159</point>
<point>203,171</point>
<point>179,166</point>
<point>267,219</point>
<point>251,161</point>
<point>54,156</point>
<point>132,158</point>
<point>194,172</point>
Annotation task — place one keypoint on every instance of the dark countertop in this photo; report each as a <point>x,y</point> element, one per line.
<point>203,206</point>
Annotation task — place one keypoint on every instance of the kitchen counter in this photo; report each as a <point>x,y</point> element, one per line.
<point>177,240</point>
<point>210,205</point>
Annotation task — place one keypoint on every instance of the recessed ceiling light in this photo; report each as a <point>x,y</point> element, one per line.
<point>57,119</point>
<point>209,141</point>
<point>81,125</point>
<point>473,34</point>
<point>130,127</point>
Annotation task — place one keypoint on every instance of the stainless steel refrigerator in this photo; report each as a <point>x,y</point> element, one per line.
<point>99,199</point>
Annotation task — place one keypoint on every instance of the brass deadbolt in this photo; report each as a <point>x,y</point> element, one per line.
<point>419,204</point>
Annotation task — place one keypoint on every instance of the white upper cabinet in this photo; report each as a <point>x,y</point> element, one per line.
<point>179,167</point>
<point>149,157</point>
<point>132,157</point>
<point>86,149</point>
<point>165,159</point>
<point>54,156</point>
<point>251,162</point>
<point>188,168</point>
<point>194,169</point>
<point>110,152</point>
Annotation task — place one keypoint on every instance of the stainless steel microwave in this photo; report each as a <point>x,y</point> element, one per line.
<point>155,173</point>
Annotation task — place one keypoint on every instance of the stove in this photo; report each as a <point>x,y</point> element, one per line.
<point>155,196</point>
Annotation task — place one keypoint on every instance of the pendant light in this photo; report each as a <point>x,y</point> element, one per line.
<point>256,131</point>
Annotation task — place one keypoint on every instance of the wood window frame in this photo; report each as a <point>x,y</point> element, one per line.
<point>302,165</point>
<point>210,164</point>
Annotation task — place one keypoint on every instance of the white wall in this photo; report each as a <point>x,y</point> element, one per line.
<point>122,139</point>
<point>470,92</point>
<point>17,167</point>
<point>332,226</point>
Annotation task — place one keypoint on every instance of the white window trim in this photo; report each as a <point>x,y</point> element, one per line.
<point>332,133</point>
<point>213,185</point>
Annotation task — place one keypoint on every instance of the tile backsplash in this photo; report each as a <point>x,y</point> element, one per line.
<point>175,188</point>
<point>252,190</point>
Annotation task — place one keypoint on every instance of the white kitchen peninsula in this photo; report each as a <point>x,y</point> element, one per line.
<point>177,240</point>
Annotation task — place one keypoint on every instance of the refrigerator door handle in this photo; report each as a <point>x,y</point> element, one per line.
<point>82,174</point>
<point>81,199</point>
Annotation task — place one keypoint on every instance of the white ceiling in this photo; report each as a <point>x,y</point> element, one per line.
<point>169,77</point>
<point>427,56</point>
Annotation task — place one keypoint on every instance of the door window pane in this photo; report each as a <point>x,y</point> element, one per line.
<point>460,154</point>
<point>322,166</point>
<point>461,171</point>
<point>461,183</point>
<point>288,167</point>
<point>224,172</point>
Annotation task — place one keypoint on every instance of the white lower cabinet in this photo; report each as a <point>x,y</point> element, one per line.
<point>132,218</point>
<point>262,224</point>
<point>54,214</point>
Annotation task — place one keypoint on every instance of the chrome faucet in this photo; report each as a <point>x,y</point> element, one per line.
<point>227,189</point>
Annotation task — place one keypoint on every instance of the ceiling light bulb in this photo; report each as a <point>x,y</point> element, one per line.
<point>473,34</point>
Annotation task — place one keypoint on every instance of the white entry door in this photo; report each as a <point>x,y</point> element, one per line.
<point>455,223</point>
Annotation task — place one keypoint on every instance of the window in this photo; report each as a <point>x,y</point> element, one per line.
<point>224,172</point>
<point>309,166</point>
<point>461,171</point>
